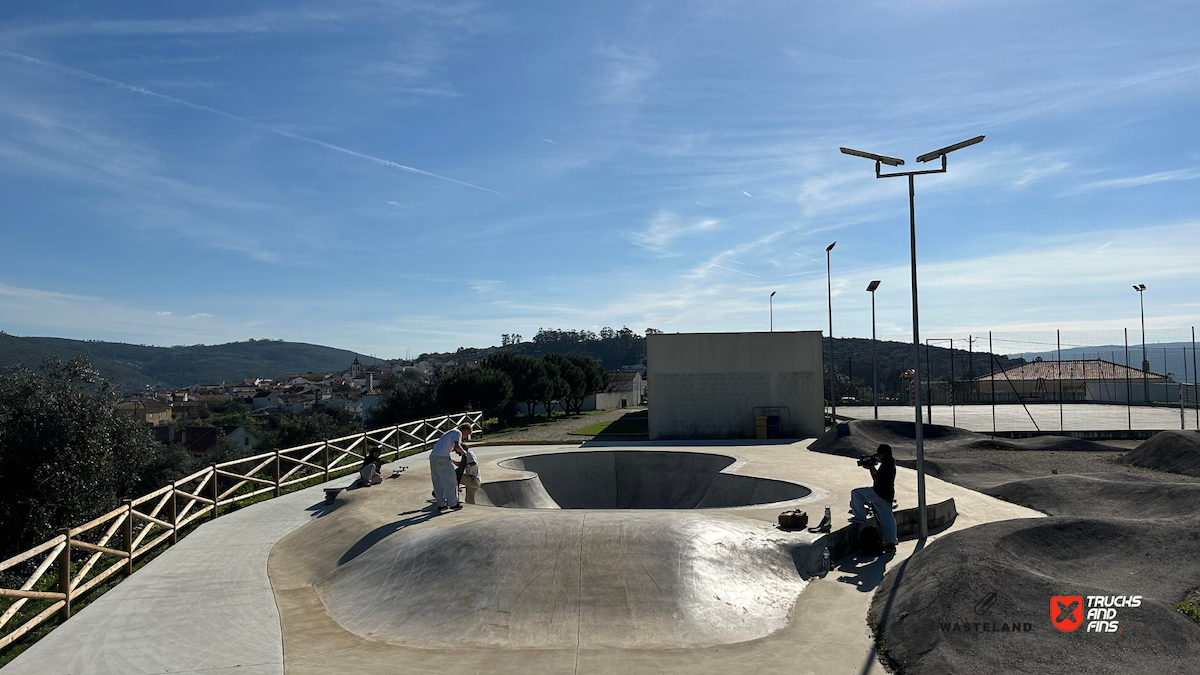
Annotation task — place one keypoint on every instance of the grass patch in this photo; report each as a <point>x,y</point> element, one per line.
<point>1190,606</point>
<point>636,422</point>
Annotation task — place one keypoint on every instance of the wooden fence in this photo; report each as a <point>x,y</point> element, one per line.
<point>86,555</point>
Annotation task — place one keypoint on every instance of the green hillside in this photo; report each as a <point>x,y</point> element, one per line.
<point>132,367</point>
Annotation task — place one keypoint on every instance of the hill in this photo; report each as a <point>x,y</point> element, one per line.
<point>132,367</point>
<point>852,355</point>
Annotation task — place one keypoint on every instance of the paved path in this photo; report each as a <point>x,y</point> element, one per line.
<point>1013,417</point>
<point>204,605</point>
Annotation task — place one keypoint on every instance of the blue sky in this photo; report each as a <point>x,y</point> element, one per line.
<point>384,176</point>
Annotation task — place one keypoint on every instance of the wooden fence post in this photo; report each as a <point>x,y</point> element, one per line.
<point>127,534</point>
<point>325,454</point>
<point>214,491</point>
<point>64,574</point>
<point>174,512</point>
<point>276,472</point>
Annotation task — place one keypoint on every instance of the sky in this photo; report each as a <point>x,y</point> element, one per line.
<point>405,177</point>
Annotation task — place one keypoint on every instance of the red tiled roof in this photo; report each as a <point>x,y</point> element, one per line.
<point>1091,369</point>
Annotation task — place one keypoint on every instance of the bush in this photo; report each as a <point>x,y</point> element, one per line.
<point>67,454</point>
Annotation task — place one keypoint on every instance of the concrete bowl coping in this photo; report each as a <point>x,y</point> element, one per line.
<point>633,479</point>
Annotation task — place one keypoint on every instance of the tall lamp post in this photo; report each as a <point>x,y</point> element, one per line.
<point>1141,290</point>
<point>912,228</point>
<point>771,304</point>
<point>829,288</point>
<point>874,373</point>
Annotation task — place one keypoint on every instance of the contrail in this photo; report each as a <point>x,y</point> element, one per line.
<point>730,269</point>
<point>197,106</point>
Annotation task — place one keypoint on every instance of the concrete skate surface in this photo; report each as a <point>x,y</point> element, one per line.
<point>383,582</point>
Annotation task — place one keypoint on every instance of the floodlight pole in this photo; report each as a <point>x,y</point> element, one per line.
<point>874,370</point>
<point>912,230</point>
<point>832,381</point>
<point>923,532</point>
<point>771,304</point>
<point>1141,291</point>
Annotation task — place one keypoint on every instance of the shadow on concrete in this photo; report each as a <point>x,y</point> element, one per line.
<point>695,443</point>
<point>383,531</point>
<point>322,508</point>
<point>887,610</point>
<point>864,572</point>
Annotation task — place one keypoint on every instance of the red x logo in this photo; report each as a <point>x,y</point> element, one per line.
<point>1066,612</point>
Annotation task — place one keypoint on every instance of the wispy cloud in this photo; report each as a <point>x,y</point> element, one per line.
<point>549,141</point>
<point>260,22</point>
<point>1137,181</point>
<point>197,106</point>
<point>665,227</point>
<point>624,75</point>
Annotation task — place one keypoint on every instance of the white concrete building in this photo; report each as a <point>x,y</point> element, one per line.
<point>713,385</point>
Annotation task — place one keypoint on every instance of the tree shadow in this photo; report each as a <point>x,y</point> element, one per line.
<point>383,531</point>
<point>864,572</point>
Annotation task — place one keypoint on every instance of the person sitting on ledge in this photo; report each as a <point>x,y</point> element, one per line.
<point>371,469</point>
<point>879,495</point>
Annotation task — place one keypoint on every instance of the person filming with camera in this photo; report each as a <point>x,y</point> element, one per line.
<point>879,495</point>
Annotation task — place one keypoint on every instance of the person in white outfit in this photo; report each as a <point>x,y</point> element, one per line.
<point>441,468</point>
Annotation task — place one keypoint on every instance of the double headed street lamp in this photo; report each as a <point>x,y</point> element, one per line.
<point>829,287</point>
<point>874,374</point>
<point>1141,290</point>
<point>912,227</point>
<point>771,304</point>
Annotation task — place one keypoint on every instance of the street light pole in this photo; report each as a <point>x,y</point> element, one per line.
<point>1141,290</point>
<point>829,289</point>
<point>912,229</point>
<point>874,373</point>
<point>771,303</point>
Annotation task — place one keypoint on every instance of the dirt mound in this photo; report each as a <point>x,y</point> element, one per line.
<point>976,474</point>
<point>1044,443</point>
<point>862,437</point>
<point>932,609</point>
<point>1113,496</point>
<point>1174,451</point>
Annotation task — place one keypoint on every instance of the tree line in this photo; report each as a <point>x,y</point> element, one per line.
<point>67,454</point>
<point>496,386</point>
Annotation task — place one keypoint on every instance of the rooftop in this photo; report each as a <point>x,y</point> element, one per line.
<point>1088,369</point>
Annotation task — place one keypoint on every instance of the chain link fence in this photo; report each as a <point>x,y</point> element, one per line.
<point>1046,380</point>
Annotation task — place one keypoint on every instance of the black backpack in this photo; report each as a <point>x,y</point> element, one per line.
<point>793,520</point>
<point>869,542</point>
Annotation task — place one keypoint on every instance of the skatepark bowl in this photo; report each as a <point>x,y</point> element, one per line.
<point>595,549</point>
<point>632,479</point>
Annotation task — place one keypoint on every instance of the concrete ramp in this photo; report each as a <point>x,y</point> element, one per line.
<point>574,579</point>
<point>632,479</point>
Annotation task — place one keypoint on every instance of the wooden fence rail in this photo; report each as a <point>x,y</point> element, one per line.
<point>113,541</point>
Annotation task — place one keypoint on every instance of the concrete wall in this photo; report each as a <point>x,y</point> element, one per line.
<point>706,385</point>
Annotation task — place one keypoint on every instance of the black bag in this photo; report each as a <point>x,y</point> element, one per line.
<point>793,520</point>
<point>869,541</point>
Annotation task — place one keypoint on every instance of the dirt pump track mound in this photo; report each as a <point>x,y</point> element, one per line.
<point>1115,532</point>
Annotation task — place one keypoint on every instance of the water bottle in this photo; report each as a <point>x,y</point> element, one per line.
<point>825,561</point>
<point>828,521</point>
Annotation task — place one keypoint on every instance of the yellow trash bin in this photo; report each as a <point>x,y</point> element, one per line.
<point>760,427</point>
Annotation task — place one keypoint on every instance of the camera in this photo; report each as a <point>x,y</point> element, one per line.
<point>867,462</point>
